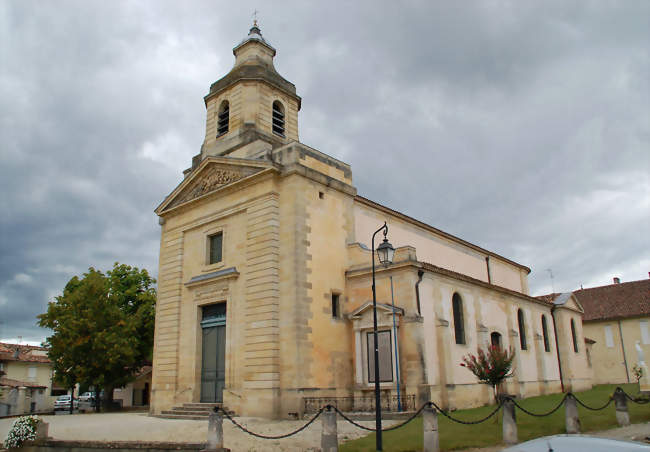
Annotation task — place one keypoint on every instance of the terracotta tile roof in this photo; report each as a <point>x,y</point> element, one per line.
<point>26,353</point>
<point>628,299</point>
<point>17,383</point>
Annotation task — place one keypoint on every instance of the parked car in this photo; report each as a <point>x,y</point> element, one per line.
<point>62,403</point>
<point>87,397</point>
<point>574,443</point>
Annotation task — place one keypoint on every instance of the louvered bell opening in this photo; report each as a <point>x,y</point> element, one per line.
<point>222,121</point>
<point>278,121</point>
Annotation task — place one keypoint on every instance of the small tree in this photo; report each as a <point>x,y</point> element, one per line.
<point>491,366</point>
<point>102,328</point>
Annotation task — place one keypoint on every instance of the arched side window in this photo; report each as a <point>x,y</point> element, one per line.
<point>223,118</point>
<point>459,322</point>
<point>547,346</point>
<point>573,335</point>
<point>522,329</point>
<point>278,118</point>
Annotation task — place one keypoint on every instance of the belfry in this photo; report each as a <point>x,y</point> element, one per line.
<point>264,285</point>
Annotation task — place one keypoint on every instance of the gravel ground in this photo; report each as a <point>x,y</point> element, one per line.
<point>140,427</point>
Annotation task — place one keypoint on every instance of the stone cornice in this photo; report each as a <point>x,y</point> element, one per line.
<point>417,265</point>
<point>208,278</point>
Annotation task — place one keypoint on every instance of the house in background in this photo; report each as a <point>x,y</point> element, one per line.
<point>616,318</point>
<point>136,393</point>
<point>27,381</point>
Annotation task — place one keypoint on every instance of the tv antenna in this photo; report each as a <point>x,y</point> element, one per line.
<point>550,272</point>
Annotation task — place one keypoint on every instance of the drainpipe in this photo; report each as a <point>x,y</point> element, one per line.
<point>417,290</point>
<point>557,348</point>
<point>620,332</point>
<point>392,300</point>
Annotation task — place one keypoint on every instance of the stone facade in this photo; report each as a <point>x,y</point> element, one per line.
<point>294,273</point>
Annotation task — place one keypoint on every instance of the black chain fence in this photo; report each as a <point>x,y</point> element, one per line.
<point>610,400</point>
<point>394,427</point>
<point>258,435</point>
<point>330,407</point>
<point>638,400</point>
<point>460,421</point>
<point>548,413</point>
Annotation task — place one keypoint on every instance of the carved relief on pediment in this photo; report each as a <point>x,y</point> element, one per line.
<point>212,178</point>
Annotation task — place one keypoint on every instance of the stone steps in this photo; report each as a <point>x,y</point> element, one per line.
<point>192,411</point>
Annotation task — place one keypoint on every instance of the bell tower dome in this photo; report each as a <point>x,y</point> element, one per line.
<point>253,109</point>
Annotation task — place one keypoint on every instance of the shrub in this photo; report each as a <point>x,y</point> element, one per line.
<point>491,366</point>
<point>23,429</point>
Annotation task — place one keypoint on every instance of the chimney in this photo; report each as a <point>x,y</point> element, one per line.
<point>617,280</point>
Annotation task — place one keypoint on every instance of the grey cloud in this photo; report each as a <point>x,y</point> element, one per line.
<point>523,128</point>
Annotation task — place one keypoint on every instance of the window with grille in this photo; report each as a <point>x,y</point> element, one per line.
<point>223,118</point>
<point>216,247</point>
<point>547,346</point>
<point>278,118</point>
<point>459,322</point>
<point>522,329</point>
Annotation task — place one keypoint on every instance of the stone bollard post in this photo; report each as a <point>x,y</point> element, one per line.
<point>42,430</point>
<point>430,428</point>
<point>215,433</point>
<point>509,422</point>
<point>620,401</point>
<point>329,441</point>
<point>572,421</point>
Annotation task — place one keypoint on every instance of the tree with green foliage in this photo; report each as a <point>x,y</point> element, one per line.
<point>491,366</point>
<point>103,328</point>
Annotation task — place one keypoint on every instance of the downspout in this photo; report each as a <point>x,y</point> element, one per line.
<point>392,301</point>
<point>487,265</point>
<point>417,290</point>
<point>620,332</point>
<point>557,348</point>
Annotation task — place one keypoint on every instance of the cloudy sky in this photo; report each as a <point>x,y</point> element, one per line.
<point>523,127</point>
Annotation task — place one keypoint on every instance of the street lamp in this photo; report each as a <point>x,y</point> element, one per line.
<point>385,253</point>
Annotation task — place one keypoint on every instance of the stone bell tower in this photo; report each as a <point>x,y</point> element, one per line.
<point>253,109</point>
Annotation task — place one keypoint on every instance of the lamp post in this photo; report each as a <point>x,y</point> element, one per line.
<point>385,252</point>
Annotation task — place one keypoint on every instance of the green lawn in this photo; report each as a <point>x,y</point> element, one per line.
<point>456,436</point>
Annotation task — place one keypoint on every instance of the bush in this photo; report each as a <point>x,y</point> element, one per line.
<point>24,429</point>
<point>491,366</point>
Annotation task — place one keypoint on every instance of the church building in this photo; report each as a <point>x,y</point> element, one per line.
<point>264,286</point>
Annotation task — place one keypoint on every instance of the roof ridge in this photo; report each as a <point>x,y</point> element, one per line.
<point>613,285</point>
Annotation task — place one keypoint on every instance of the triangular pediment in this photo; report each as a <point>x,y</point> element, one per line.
<point>381,307</point>
<point>213,174</point>
<point>569,301</point>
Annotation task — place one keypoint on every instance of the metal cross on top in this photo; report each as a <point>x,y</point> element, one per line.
<point>255,17</point>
